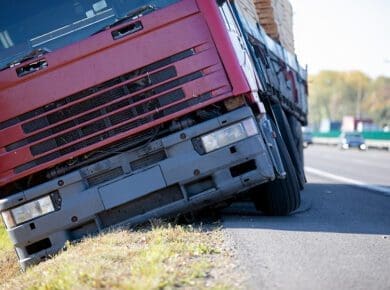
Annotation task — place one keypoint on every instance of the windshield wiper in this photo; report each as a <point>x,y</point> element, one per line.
<point>133,14</point>
<point>29,56</point>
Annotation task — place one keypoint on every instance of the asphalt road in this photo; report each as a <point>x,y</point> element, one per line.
<point>371,167</point>
<point>338,239</point>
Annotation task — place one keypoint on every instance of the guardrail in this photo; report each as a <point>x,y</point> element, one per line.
<point>379,140</point>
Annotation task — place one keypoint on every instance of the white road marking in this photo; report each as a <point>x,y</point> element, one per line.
<point>325,174</point>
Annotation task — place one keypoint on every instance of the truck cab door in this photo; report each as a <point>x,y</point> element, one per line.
<point>240,48</point>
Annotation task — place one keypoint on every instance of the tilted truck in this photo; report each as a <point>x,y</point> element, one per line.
<point>115,112</point>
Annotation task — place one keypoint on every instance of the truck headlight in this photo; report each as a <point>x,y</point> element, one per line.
<point>229,135</point>
<point>28,211</point>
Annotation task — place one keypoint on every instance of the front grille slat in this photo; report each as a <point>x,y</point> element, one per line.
<point>104,176</point>
<point>148,160</point>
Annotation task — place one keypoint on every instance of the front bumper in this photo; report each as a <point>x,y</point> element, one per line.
<point>164,178</point>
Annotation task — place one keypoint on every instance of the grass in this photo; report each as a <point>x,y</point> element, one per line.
<point>163,257</point>
<point>5,243</point>
<point>8,263</point>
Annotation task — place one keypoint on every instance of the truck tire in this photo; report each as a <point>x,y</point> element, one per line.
<point>281,196</point>
<point>290,143</point>
<point>296,129</point>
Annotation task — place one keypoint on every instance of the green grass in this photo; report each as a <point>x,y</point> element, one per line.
<point>163,257</point>
<point>5,243</point>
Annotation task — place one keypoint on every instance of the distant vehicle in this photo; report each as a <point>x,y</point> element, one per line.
<point>352,140</point>
<point>307,139</point>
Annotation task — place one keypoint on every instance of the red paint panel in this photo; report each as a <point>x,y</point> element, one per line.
<point>224,46</point>
<point>185,67</point>
<point>203,61</point>
<point>151,46</point>
<point>13,159</point>
<point>101,41</point>
<point>10,135</point>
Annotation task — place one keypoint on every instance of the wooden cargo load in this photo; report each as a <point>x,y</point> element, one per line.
<point>248,8</point>
<point>275,16</point>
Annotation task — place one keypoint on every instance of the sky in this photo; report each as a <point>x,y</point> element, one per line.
<point>343,35</point>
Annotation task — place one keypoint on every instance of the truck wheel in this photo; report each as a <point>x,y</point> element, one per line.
<point>281,196</point>
<point>296,129</point>
<point>290,143</point>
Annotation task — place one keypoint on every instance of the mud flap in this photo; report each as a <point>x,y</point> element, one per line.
<point>269,137</point>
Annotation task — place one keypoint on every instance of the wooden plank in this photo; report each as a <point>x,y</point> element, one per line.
<point>276,17</point>
<point>248,8</point>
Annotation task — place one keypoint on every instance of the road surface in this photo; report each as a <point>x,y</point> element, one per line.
<point>338,239</point>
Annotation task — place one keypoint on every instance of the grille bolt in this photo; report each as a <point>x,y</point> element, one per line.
<point>60,182</point>
<point>74,219</point>
<point>183,136</point>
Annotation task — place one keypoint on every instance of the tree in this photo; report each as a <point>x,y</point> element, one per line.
<point>334,94</point>
<point>377,103</point>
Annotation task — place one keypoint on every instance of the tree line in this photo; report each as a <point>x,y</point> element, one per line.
<point>334,94</point>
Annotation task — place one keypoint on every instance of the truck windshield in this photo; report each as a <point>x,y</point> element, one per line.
<point>27,26</point>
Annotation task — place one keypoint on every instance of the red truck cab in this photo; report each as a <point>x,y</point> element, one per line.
<point>121,111</point>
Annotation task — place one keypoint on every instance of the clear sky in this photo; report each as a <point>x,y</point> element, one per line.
<point>343,35</point>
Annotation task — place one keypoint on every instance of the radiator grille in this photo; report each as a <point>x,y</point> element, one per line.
<point>106,110</point>
<point>29,126</point>
<point>105,176</point>
<point>148,160</point>
<point>106,122</point>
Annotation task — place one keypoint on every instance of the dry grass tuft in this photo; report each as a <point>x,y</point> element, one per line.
<point>8,263</point>
<point>161,258</point>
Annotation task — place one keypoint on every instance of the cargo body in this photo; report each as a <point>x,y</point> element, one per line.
<point>169,110</point>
